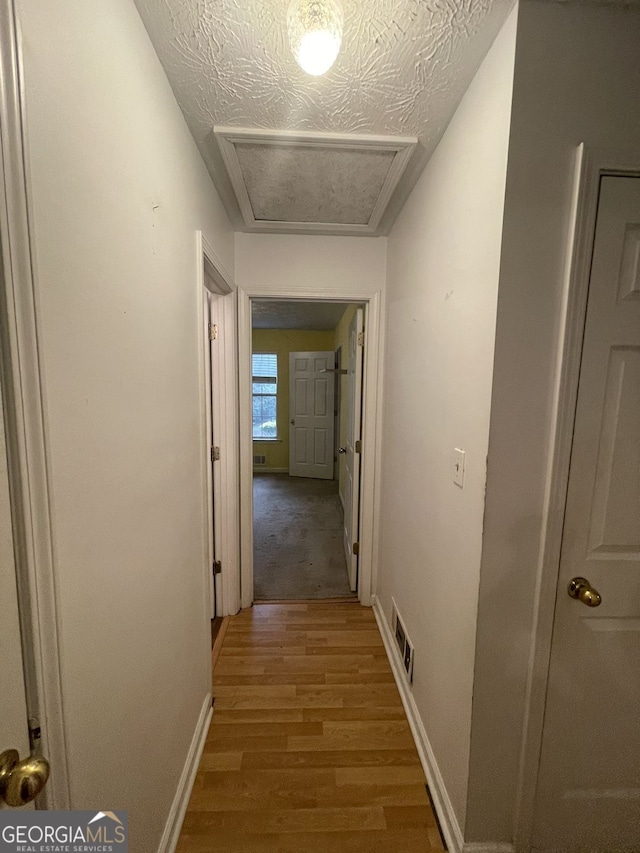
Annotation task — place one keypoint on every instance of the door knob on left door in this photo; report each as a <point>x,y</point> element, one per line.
<point>21,781</point>
<point>581,589</point>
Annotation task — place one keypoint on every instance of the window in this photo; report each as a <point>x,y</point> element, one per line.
<point>265,387</point>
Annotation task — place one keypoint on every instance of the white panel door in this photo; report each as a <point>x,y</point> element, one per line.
<point>213,473</point>
<point>353,415</point>
<point>588,796</point>
<point>13,705</point>
<point>311,414</point>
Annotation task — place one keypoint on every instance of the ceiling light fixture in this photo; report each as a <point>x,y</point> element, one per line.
<point>315,33</point>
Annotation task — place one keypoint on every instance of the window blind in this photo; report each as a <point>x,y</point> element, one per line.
<point>265,368</point>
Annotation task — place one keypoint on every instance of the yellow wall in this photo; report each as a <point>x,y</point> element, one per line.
<point>282,342</point>
<point>342,340</point>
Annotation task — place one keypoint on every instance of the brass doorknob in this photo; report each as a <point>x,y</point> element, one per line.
<point>581,589</point>
<point>21,781</point>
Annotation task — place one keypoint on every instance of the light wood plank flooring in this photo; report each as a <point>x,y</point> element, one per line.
<point>309,749</point>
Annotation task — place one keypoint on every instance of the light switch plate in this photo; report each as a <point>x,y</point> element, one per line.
<point>458,467</point>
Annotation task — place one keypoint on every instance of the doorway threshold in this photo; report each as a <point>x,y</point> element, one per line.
<point>351,599</point>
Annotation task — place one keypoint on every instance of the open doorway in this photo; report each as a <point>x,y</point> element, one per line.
<point>306,381</point>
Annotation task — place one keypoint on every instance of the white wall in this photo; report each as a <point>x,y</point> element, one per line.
<point>577,79</point>
<point>119,190</point>
<point>443,265</point>
<point>299,262</point>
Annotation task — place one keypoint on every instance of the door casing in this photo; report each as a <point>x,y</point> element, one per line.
<point>353,431</point>
<point>371,426</point>
<point>219,487</point>
<point>590,166</point>
<point>26,429</point>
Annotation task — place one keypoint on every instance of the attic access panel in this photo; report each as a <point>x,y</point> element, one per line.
<point>295,181</point>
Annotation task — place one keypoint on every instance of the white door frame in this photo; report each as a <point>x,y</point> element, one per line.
<point>371,427</point>
<point>27,433</point>
<point>220,492</point>
<point>352,458</point>
<point>590,166</point>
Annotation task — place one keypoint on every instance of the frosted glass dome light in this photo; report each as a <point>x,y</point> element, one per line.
<point>315,33</point>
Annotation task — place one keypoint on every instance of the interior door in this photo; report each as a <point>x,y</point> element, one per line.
<point>210,337</point>
<point>353,416</point>
<point>588,796</point>
<point>311,414</point>
<point>13,705</point>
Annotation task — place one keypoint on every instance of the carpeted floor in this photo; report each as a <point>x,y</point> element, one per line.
<point>297,536</point>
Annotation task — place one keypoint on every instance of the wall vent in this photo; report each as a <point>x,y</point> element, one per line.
<point>260,460</point>
<point>403,643</point>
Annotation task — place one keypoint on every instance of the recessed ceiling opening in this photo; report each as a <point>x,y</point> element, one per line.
<point>313,182</point>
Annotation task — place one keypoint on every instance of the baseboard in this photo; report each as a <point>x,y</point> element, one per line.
<point>448,821</point>
<point>178,808</point>
<point>217,646</point>
<point>488,847</point>
<point>263,470</point>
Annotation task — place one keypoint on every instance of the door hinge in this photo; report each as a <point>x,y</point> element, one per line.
<point>213,332</point>
<point>356,548</point>
<point>360,339</point>
<point>215,454</point>
<point>358,446</point>
<point>217,567</point>
<point>35,733</point>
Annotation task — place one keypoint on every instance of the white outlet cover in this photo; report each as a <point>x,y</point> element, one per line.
<point>458,467</point>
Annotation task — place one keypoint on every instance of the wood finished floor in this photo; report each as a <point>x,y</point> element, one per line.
<point>309,748</point>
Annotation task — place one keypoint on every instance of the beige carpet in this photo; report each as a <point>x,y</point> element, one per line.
<point>297,536</point>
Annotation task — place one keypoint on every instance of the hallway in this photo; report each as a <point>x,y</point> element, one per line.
<point>298,530</point>
<point>309,748</point>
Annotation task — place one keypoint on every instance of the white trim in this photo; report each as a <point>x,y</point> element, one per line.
<point>441,801</point>
<point>229,137</point>
<point>246,449</point>
<point>314,138</point>
<point>214,267</point>
<point>27,438</point>
<point>590,166</point>
<point>370,459</point>
<point>180,802</point>
<point>205,393</point>
<point>224,486</point>
<point>371,427</point>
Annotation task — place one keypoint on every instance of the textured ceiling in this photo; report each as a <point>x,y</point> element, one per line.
<point>402,69</point>
<point>313,316</point>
